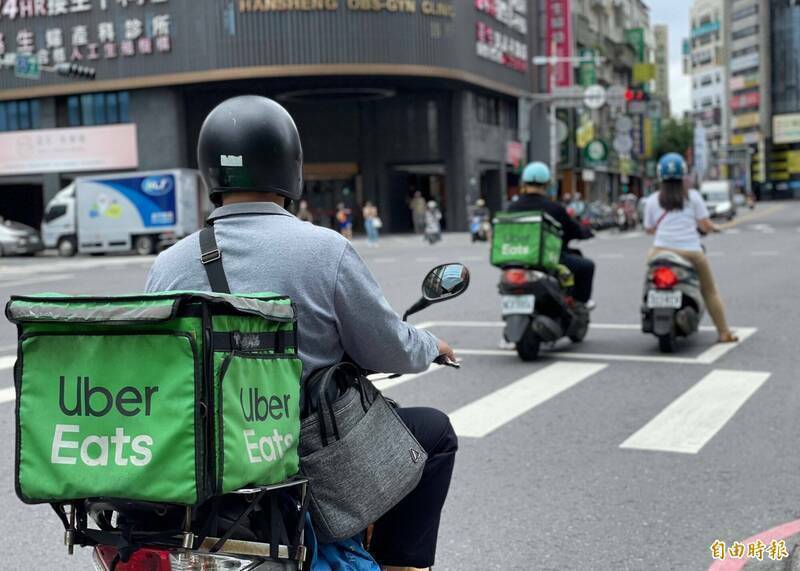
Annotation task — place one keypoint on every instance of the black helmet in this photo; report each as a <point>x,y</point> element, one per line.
<point>250,143</point>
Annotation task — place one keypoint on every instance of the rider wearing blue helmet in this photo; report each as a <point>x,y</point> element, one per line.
<point>674,216</point>
<point>533,196</point>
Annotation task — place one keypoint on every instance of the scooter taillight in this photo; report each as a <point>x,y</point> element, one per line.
<point>148,559</point>
<point>516,277</point>
<point>141,560</point>
<point>664,278</point>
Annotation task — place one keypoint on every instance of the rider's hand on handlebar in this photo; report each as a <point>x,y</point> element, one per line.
<point>446,353</point>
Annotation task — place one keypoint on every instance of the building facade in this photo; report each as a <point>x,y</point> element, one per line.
<point>390,97</point>
<point>707,68</point>
<point>618,31</point>
<point>748,68</point>
<point>783,166</point>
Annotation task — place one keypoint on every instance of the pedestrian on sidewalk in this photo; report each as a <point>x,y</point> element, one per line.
<point>418,208</point>
<point>344,220</point>
<point>372,223</point>
<point>303,213</point>
<point>674,215</point>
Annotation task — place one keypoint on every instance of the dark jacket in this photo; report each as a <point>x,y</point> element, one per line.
<point>572,230</point>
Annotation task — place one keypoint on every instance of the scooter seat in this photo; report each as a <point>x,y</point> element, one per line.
<point>670,258</point>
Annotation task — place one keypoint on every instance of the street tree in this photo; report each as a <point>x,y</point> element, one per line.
<point>676,136</point>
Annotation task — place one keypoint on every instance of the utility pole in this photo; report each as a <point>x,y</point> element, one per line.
<point>550,99</point>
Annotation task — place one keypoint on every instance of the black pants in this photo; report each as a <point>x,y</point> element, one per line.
<point>406,535</point>
<point>583,270</point>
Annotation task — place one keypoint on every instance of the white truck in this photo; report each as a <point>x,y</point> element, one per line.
<point>139,211</point>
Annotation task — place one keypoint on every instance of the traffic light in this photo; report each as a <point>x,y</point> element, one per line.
<point>636,94</point>
<point>75,70</point>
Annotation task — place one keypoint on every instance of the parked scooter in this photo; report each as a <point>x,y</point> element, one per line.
<point>673,303</point>
<point>537,308</point>
<point>259,529</point>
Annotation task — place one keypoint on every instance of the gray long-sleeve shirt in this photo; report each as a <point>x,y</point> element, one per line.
<point>340,305</point>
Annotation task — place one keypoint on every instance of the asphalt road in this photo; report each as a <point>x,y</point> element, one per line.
<point>543,480</point>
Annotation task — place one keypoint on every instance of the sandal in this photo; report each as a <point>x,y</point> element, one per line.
<point>728,337</point>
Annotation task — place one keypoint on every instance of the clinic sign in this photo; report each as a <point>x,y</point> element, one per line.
<point>111,147</point>
<point>131,42</point>
<point>42,32</point>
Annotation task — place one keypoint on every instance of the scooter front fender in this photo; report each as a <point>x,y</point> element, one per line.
<point>663,321</point>
<point>516,326</point>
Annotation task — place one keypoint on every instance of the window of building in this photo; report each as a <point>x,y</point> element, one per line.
<point>744,52</point>
<point>487,109</point>
<point>98,109</point>
<point>20,115</point>
<point>745,12</point>
<point>745,32</point>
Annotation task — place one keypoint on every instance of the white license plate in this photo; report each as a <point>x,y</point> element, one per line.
<point>664,299</point>
<point>518,304</point>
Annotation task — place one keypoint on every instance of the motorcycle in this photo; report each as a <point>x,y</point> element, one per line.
<point>433,227</point>
<point>672,305</point>
<point>480,228</point>
<point>538,308</point>
<point>259,529</point>
<point>626,216</point>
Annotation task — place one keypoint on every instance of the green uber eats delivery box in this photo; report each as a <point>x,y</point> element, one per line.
<point>167,397</point>
<point>526,239</point>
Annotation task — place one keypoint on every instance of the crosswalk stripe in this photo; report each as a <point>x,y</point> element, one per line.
<point>489,413</point>
<point>8,394</point>
<point>7,362</point>
<point>37,280</point>
<point>386,383</point>
<point>690,421</point>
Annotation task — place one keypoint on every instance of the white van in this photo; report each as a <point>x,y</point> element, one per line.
<point>718,196</point>
<point>140,211</point>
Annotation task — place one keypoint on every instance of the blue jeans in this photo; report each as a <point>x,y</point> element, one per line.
<point>372,232</point>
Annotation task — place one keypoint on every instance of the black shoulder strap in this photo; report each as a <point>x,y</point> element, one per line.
<point>211,258</point>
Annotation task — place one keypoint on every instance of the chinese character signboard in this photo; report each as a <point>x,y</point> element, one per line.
<point>559,39</point>
<point>45,35</point>
<point>786,128</point>
<point>499,45</point>
<point>587,73</point>
<point>110,147</point>
<point>635,37</point>
<point>137,42</point>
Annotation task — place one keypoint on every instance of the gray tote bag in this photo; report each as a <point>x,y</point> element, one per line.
<point>358,455</point>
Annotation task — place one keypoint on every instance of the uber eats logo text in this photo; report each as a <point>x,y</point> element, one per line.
<point>81,399</point>
<point>258,408</point>
<point>515,250</point>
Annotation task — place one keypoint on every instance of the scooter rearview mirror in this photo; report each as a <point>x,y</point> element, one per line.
<point>445,282</point>
<point>442,283</point>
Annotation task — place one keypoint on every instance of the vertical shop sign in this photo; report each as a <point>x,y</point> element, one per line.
<point>559,39</point>
<point>635,37</point>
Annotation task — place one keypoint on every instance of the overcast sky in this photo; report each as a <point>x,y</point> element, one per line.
<point>675,14</point>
